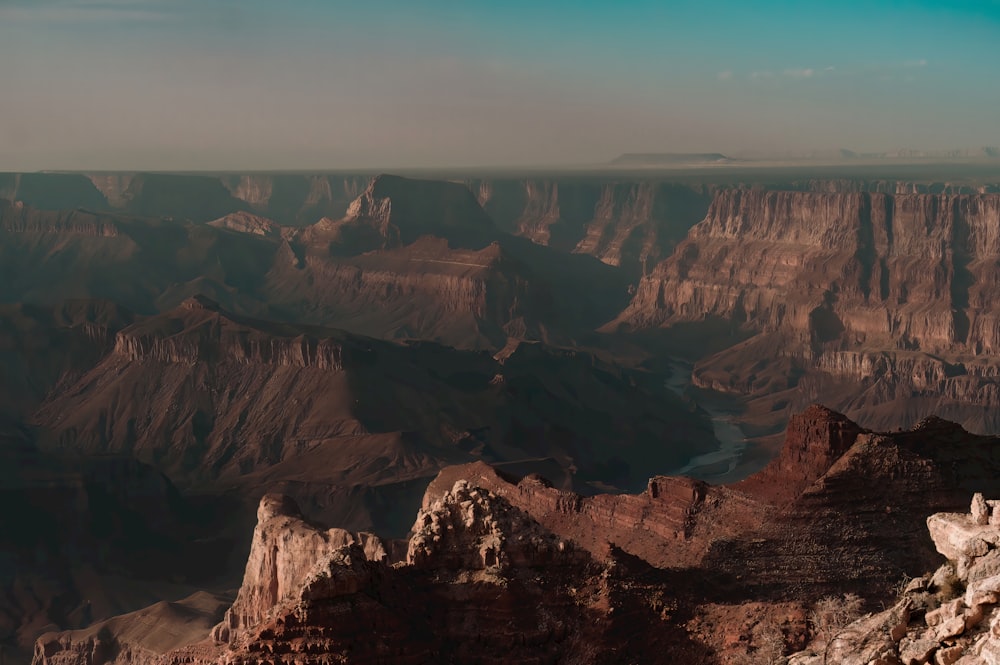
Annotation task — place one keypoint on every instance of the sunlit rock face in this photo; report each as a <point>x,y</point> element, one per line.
<point>950,616</point>
<point>892,292</point>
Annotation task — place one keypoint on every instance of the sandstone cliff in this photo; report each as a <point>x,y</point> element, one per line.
<point>484,583</point>
<point>629,224</point>
<point>889,291</point>
<point>284,554</point>
<point>900,269</point>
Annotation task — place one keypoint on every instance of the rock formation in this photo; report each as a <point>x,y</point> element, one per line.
<point>633,225</point>
<point>504,569</point>
<point>286,552</point>
<point>347,421</point>
<point>884,292</point>
<point>949,617</point>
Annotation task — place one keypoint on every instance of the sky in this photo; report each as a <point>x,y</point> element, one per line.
<point>318,84</point>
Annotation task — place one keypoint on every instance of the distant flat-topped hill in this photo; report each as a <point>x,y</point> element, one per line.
<point>669,158</point>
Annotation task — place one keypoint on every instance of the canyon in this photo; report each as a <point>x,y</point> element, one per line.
<point>833,283</point>
<point>520,360</point>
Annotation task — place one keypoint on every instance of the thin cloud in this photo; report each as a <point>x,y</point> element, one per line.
<point>802,73</point>
<point>916,63</point>
<point>724,76</point>
<point>761,75</point>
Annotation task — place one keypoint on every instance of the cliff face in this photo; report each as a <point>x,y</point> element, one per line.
<point>906,270</point>
<point>403,209</point>
<point>284,554</point>
<point>628,224</point>
<point>413,259</point>
<point>44,347</point>
<point>297,200</point>
<point>16,217</point>
<point>213,338</point>
<point>493,587</point>
<point>888,292</point>
<point>417,258</point>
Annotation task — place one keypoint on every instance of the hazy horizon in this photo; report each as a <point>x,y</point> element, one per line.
<point>305,84</point>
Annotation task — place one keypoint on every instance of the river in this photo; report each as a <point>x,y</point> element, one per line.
<point>726,464</point>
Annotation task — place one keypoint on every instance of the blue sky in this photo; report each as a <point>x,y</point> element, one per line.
<point>220,84</point>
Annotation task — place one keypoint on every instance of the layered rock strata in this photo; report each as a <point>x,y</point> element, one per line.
<point>886,294</point>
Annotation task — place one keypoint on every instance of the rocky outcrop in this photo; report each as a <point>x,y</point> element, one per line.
<point>307,600</point>
<point>949,617</point>
<point>639,524</point>
<point>401,210</point>
<point>814,440</point>
<point>498,569</point>
<point>297,200</point>
<point>184,197</point>
<point>287,554</point>
<point>470,528</point>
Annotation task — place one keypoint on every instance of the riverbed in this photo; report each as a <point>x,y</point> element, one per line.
<point>731,461</point>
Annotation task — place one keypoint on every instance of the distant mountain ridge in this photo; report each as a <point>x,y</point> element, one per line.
<point>669,158</point>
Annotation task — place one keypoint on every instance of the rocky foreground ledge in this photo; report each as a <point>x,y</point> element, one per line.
<point>950,617</point>
<point>500,570</point>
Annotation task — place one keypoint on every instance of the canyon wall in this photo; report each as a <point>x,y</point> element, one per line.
<point>632,224</point>
<point>890,293</point>
<point>628,220</point>
<point>909,271</point>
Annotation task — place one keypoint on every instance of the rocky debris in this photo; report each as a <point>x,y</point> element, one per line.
<point>952,616</point>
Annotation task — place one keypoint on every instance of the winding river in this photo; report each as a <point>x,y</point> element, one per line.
<point>725,464</point>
